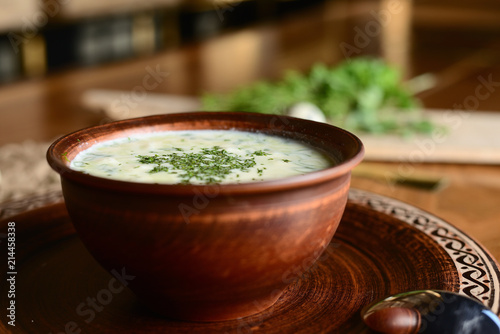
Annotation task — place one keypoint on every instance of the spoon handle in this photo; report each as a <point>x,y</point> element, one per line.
<point>431,312</point>
<point>397,320</point>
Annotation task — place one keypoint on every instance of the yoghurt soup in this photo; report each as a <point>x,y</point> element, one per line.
<point>200,157</point>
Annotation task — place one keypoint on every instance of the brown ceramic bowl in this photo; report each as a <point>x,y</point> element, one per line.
<point>213,252</point>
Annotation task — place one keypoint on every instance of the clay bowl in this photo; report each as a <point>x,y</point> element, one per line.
<point>208,253</point>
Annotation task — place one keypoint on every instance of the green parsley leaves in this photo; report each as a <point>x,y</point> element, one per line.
<point>210,165</point>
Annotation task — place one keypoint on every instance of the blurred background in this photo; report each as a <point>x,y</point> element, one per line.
<point>457,42</point>
<point>44,36</point>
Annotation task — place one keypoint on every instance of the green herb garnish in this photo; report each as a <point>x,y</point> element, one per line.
<point>158,169</point>
<point>260,153</point>
<point>210,166</point>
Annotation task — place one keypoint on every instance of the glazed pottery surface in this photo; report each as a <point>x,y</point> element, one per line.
<point>212,252</point>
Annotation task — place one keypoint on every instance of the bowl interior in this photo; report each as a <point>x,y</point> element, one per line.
<point>345,149</point>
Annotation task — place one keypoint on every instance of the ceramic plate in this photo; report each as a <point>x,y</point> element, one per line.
<point>382,247</point>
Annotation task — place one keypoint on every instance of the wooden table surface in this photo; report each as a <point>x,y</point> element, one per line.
<point>44,108</point>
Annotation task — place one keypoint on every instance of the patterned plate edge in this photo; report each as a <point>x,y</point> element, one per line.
<point>478,271</point>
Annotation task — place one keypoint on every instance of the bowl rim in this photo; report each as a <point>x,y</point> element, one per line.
<point>57,154</point>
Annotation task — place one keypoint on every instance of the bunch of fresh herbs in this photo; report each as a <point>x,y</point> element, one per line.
<point>361,95</point>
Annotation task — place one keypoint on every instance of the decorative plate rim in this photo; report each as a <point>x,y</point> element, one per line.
<point>478,271</point>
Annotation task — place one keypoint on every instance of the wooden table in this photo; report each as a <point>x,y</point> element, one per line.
<point>44,108</point>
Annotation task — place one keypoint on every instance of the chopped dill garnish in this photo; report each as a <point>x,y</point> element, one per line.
<point>158,169</point>
<point>261,153</point>
<point>210,166</point>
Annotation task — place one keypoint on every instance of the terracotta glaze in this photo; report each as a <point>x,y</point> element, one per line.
<point>60,286</point>
<point>212,252</point>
